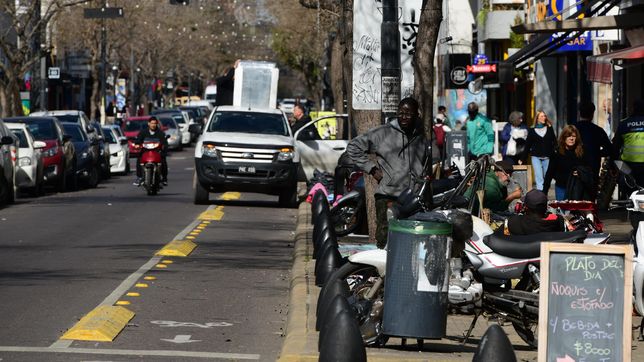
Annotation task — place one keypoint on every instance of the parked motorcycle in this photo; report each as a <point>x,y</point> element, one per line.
<point>481,277</point>
<point>151,161</point>
<point>635,207</point>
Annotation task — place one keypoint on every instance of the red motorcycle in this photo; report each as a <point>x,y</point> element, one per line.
<point>150,162</point>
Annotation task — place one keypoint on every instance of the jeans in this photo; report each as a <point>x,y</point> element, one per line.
<point>560,192</point>
<point>540,167</point>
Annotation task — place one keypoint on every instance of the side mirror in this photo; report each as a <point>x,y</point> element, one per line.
<point>123,140</point>
<point>6,140</point>
<point>39,144</point>
<point>195,128</point>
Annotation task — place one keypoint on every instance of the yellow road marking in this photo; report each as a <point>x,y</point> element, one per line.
<point>230,196</point>
<point>102,324</point>
<point>213,214</point>
<point>167,261</point>
<point>190,237</point>
<point>161,266</point>
<point>195,233</point>
<point>122,302</point>
<point>133,294</point>
<point>141,285</point>
<point>150,278</point>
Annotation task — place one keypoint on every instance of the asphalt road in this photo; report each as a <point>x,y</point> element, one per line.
<point>62,255</point>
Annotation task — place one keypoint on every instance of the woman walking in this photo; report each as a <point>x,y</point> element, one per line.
<point>514,137</point>
<point>541,145</point>
<point>567,166</point>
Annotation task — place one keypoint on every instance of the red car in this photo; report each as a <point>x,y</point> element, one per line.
<point>131,128</point>
<point>59,155</point>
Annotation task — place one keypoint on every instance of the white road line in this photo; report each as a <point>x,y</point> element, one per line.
<point>130,281</point>
<point>133,352</point>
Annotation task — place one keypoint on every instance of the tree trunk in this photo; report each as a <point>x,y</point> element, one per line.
<point>3,102</point>
<point>430,21</point>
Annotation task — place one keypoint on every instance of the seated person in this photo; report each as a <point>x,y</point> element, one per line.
<point>496,196</point>
<point>536,219</point>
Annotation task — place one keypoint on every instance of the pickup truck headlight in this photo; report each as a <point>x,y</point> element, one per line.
<point>24,161</point>
<point>209,150</point>
<point>286,154</point>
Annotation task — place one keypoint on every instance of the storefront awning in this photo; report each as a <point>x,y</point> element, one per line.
<point>600,67</point>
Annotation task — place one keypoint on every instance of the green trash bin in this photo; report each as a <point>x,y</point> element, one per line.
<point>417,278</point>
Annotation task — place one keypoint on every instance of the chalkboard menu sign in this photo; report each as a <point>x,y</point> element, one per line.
<point>585,303</point>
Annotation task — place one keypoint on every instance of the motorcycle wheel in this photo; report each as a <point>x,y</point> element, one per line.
<point>361,278</point>
<point>347,217</point>
<point>528,329</point>
<point>149,182</point>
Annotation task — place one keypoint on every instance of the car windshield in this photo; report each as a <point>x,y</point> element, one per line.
<point>75,132</point>
<point>68,118</point>
<point>168,122</point>
<point>42,130</point>
<point>109,135</point>
<point>21,137</point>
<point>131,126</point>
<point>248,122</point>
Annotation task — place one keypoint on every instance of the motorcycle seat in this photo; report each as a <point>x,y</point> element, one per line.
<point>528,246</point>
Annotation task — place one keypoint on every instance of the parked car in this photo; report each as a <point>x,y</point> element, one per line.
<point>171,129</point>
<point>30,175</point>
<point>8,153</point>
<point>119,150</point>
<point>131,127</point>
<point>188,118</point>
<point>184,127</point>
<point>87,154</point>
<point>72,116</point>
<point>104,151</point>
<point>59,154</point>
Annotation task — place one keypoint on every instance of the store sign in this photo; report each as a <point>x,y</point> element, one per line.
<point>481,59</point>
<point>556,12</point>
<point>53,73</point>
<point>458,75</point>
<point>483,68</point>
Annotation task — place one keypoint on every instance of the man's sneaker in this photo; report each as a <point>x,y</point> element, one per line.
<point>137,182</point>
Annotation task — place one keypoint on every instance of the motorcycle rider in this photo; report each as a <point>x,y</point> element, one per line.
<point>153,131</point>
<point>400,148</point>
<point>535,219</point>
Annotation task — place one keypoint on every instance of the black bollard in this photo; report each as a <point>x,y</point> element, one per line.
<point>322,223</point>
<point>326,264</point>
<point>332,288</point>
<point>328,240</point>
<point>494,346</point>
<point>319,204</point>
<point>338,304</point>
<point>343,341</point>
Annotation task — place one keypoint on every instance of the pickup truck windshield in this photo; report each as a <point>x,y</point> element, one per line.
<point>248,122</point>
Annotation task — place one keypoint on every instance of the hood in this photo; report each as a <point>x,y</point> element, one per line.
<point>50,143</point>
<point>248,138</point>
<point>131,134</point>
<point>81,146</point>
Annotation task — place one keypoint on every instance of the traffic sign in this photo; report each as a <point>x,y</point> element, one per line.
<point>103,13</point>
<point>53,73</point>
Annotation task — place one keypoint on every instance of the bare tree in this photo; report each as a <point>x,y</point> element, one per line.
<point>22,41</point>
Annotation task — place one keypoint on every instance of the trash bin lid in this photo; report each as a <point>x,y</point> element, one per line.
<point>420,227</point>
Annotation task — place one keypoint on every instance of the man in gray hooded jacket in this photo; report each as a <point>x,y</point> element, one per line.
<point>400,148</point>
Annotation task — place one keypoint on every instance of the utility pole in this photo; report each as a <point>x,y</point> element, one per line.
<point>390,59</point>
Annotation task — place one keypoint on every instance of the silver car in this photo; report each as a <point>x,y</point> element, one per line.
<point>171,129</point>
<point>119,150</point>
<point>30,173</point>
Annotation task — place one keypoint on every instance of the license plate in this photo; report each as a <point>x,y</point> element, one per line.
<point>246,169</point>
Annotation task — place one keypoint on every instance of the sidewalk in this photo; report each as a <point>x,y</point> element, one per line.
<point>301,339</point>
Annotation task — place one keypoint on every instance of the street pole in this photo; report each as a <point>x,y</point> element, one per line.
<point>390,58</point>
<point>103,66</point>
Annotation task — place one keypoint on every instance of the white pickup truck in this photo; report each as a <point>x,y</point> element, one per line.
<point>250,150</point>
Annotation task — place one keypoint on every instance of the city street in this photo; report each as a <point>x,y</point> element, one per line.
<point>64,254</point>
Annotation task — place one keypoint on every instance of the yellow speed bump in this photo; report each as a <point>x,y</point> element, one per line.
<point>230,196</point>
<point>214,214</point>
<point>177,248</point>
<point>102,324</point>
<point>150,278</point>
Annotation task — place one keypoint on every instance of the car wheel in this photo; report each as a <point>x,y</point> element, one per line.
<point>62,180</point>
<point>288,197</point>
<point>92,181</point>
<point>200,193</point>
